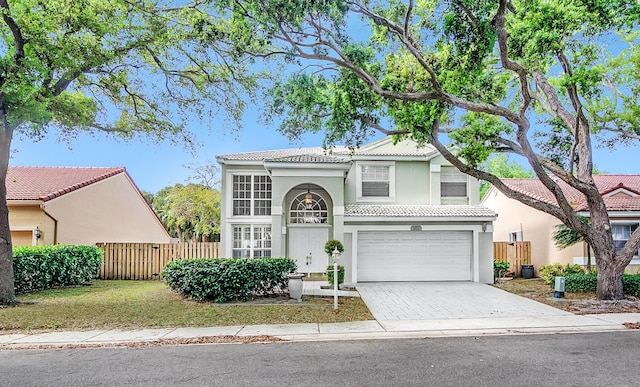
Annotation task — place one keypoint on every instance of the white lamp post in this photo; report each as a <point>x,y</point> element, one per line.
<point>335,256</point>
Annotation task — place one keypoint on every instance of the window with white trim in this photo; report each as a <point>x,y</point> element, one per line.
<point>251,195</point>
<point>453,183</point>
<point>621,234</point>
<point>376,181</point>
<point>311,210</point>
<point>251,241</point>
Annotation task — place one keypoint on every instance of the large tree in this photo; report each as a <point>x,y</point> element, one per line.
<point>189,212</point>
<point>125,67</point>
<point>487,76</point>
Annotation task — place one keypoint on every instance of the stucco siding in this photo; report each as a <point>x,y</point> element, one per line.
<point>536,226</point>
<point>23,220</point>
<point>111,210</point>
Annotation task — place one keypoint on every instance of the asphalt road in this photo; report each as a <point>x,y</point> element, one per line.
<point>602,359</point>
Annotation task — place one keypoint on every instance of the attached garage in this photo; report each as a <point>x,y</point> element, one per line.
<point>414,256</point>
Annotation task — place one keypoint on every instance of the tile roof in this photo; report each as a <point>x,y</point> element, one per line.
<point>337,153</point>
<point>400,210</point>
<point>46,183</point>
<point>309,159</point>
<point>605,183</point>
<point>284,153</point>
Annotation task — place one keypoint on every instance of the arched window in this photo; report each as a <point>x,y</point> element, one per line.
<point>308,207</point>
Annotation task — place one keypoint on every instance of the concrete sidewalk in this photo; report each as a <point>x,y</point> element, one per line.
<point>382,329</point>
<point>339,331</point>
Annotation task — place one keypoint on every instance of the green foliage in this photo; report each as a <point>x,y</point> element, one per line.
<point>550,272</point>
<point>189,212</point>
<point>580,283</point>
<point>500,268</point>
<point>45,267</point>
<point>226,279</point>
<point>332,245</point>
<point>584,283</point>
<point>340,274</point>
<point>500,166</point>
<point>565,237</point>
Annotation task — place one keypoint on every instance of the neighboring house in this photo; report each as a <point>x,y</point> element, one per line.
<point>78,206</point>
<point>517,221</point>
<point>402,212</point>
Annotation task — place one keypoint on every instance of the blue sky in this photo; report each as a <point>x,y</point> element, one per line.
<point>154,167</point>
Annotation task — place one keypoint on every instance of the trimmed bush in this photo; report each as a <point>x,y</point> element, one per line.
<point>583,283</point>
<point>46,267</point>
<point>332,245</point>
<point>550,272</point>
<point>226,279</point>
<point>580,283</point>
<point>340,274</point>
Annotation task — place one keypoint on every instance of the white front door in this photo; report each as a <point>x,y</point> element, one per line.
<point>306,247</point>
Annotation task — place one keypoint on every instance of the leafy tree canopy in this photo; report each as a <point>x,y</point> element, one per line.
<point>124,67</point>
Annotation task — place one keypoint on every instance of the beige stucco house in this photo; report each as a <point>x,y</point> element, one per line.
<point>518,222</point>
<point>78,206</point>
<point>402,212</point>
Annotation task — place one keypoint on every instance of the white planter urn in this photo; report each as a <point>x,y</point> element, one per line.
<point>295,286</point>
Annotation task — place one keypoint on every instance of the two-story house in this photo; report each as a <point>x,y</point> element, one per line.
<point>402,212</point>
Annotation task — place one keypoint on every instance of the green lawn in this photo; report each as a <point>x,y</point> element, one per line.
<point>151,304</point>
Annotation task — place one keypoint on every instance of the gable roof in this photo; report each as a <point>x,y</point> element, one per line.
<point>607,185</point>
<point>46,183</point>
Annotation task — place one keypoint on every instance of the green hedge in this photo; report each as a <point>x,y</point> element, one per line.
<point>45,267</point>
<point>582,283</point>
<point>226,279</point>
<point>550,272</point>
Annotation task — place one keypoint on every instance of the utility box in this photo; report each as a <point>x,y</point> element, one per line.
<point>559,288</point>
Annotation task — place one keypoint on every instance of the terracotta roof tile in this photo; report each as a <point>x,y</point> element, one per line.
<point>605,183</point>
<point>46,183</point>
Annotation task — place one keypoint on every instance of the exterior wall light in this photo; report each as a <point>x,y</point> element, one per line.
<point>36,233</point>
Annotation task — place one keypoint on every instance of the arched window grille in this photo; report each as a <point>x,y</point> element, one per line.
<point>308,209</point>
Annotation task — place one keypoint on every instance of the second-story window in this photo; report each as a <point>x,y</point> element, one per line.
<point>251,195</point>
<point>453,183</point>
<point>376,181</point>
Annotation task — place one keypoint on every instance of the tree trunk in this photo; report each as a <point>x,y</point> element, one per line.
<point>610,268</point>
<point>609,282</point>
<point>7,286</point>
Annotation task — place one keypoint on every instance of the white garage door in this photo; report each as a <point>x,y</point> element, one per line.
<point>414,256</point>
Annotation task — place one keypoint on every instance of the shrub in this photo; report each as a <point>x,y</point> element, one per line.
<point>225,279</point>
<point>583,283</point>
<point>580,283</point>
<point>332,245</point>
<point>340,274</point>
<point>45,267</point>
<point>500,268</point>
<point>550,272</point>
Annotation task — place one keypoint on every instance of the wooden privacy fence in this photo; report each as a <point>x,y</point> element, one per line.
<point>143,261</point>
<point>516,253</point>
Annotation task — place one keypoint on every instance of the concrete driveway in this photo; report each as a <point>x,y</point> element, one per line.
<point>401,301</point>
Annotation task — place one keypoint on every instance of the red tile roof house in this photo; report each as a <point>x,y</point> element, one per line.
<point>78,206</point>
<point>516,221</point>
